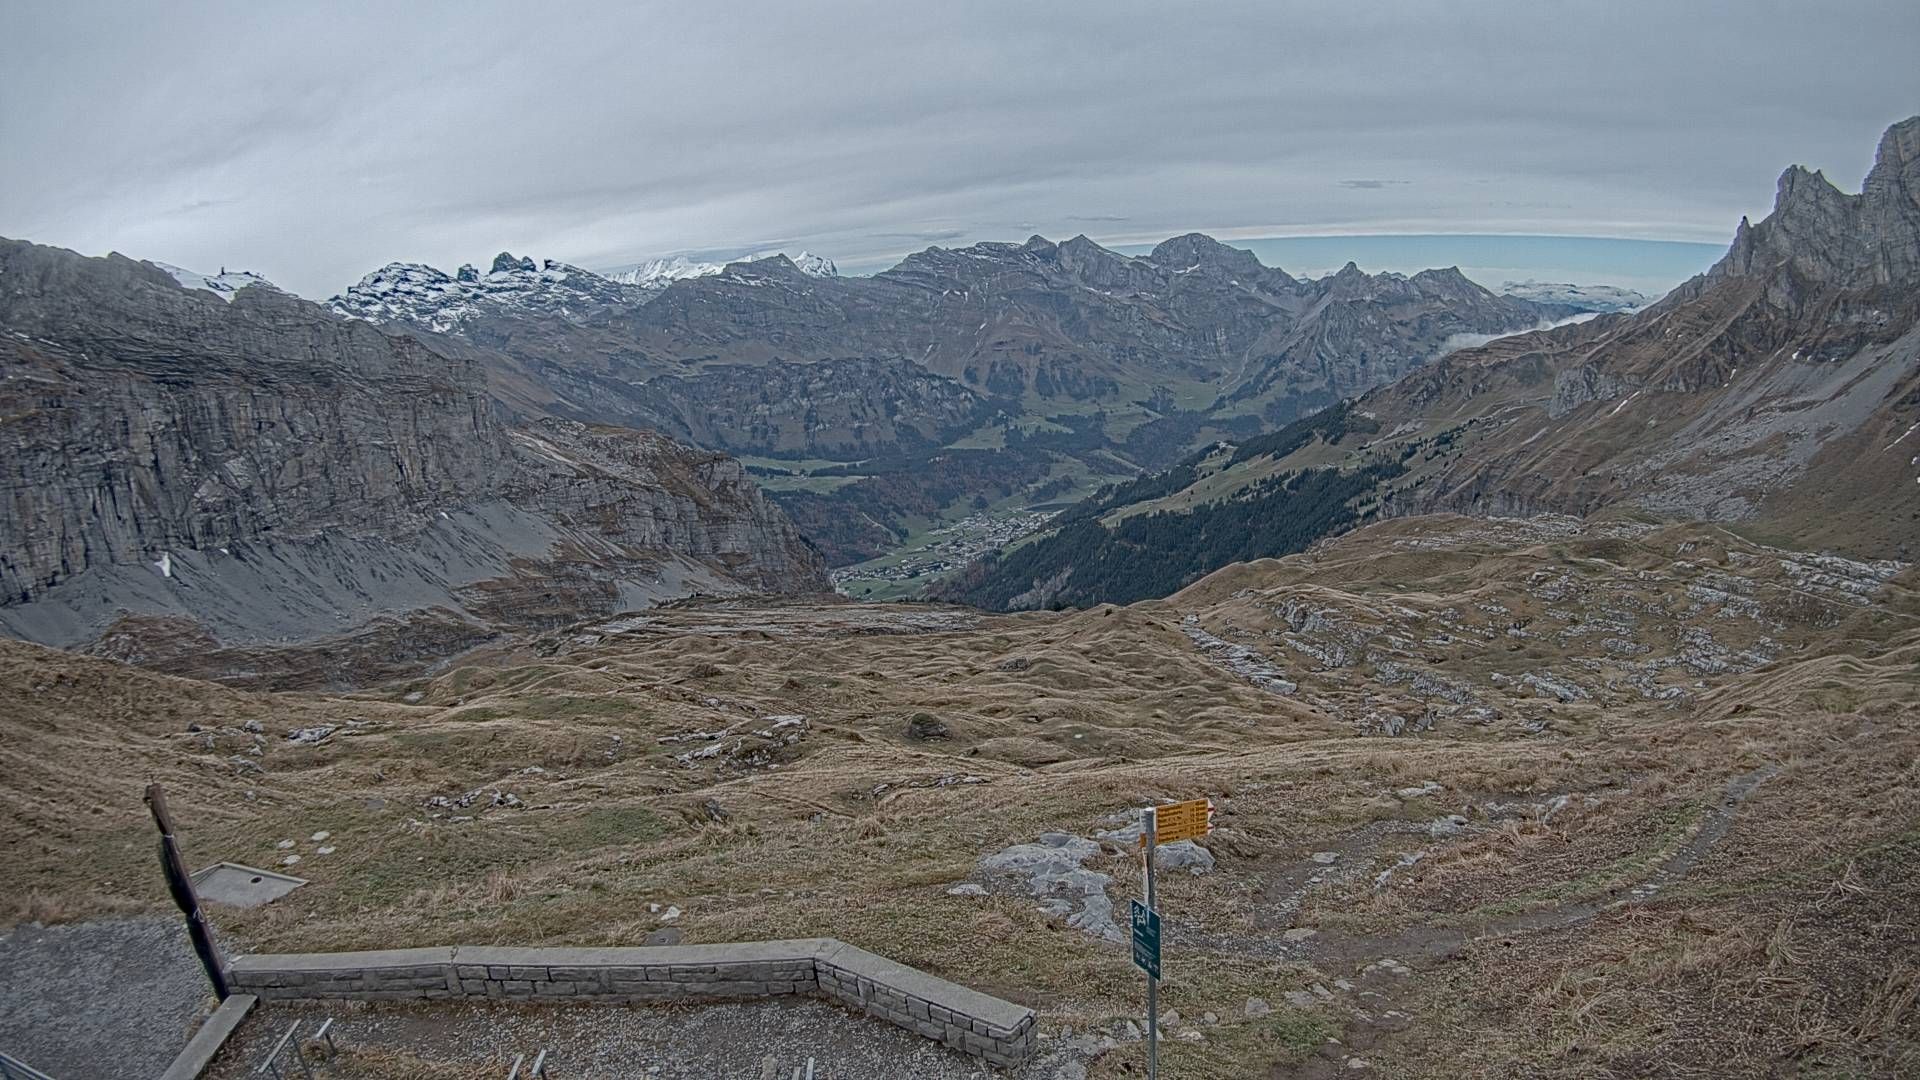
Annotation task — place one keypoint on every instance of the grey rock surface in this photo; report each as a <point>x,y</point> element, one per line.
<point>1052,868</point>
<point>109,1000</point>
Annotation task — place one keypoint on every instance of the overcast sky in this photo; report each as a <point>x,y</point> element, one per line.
<point>314,142</point>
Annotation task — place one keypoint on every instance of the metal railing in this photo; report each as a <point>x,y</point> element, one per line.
<point>12,1068</point>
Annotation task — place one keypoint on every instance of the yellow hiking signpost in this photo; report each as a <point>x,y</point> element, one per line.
<point>1188,820</point>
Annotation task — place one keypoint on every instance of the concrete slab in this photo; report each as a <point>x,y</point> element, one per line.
<point>210,1038</point>
<point>242,886</point>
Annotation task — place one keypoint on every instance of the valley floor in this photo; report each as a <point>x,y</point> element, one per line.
<point>1497,798</point>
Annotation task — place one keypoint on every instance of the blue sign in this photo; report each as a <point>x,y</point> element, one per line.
<point>1146,938</point>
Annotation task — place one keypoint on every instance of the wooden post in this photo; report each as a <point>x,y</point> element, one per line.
<point>181,886</point>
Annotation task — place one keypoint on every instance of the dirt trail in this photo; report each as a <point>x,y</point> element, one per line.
<point>1378,969</point>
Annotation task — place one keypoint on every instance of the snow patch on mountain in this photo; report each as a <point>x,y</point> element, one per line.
<point>224,284</point>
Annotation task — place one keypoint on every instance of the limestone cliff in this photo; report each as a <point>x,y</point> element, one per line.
<point>270,472</point>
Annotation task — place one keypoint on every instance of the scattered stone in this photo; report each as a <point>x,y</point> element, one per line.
<point>1356,1064</point>
<point>1257,1007</point>
<point>1052,867</point>
<point>284,845</point>
<point>1210,1017</point>
<point>1451,825</point>
<point>319,836</point>
<point>1428,788</point>
<point>254,726</point>
<point>1239,659</point>
<point>1193,1035</point>
<point>714,811</point>
<point>1387,965</point>
<point>290,860</point>
<point>1545,685</point>
<point>324,851</point>
<point>1298,934</point>
<point>1132,1032</point>
<point>1299,999</point>
<point>924,726</point>
<point>1325,858</point>
<point>1170,1018</point>
<point>310,735</point>
<point>1184,855</point>
<point>670,914</point>
<point>967,888</point>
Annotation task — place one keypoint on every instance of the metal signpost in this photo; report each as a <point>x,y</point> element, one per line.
<point>1188,820</point>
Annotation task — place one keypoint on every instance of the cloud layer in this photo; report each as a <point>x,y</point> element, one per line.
<point>315,143</point>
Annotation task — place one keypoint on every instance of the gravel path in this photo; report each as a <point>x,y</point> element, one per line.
<point>109,1000</point>
<point>747,1041</point>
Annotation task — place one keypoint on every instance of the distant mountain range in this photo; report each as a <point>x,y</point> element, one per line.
<point>476,440</point>
<point>1778,392</point>
<point>1598,298</point>
<point>994,372</point>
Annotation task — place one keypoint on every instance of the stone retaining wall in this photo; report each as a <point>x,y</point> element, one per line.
<point>978,1024</point>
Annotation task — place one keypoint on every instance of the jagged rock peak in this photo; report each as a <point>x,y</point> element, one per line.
<point>467,272</point>
<point>815,265</point>
<point>505,262</point>
<point>1832,238</point>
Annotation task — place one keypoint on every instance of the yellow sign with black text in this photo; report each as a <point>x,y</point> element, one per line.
<point>1188,820</point>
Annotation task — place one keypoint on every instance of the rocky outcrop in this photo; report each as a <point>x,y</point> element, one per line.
<point>276,473</point>
<point>1834,240</point>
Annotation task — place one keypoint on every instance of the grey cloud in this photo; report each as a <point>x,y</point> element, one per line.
<point>316,143</point>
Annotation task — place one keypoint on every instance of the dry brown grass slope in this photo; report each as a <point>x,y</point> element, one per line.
<point>1726,887</point>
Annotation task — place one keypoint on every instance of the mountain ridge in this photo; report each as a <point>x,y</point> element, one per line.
<point>1779,392</point>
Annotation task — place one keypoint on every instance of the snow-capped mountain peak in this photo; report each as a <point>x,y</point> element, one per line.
<point>224,284</point>
<point>659,273</point>
<point>816,265</point>
<point>430,298</point>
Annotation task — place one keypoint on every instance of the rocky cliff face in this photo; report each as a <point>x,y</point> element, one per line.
<point>1782,386</point>
<point>267,471</point>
